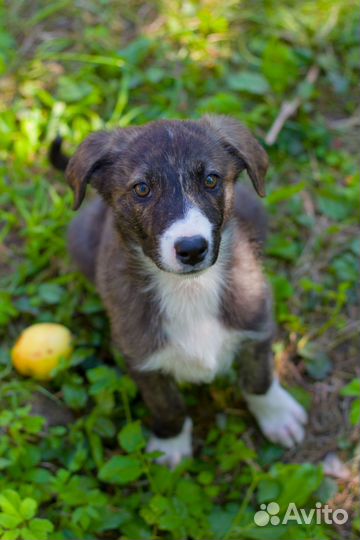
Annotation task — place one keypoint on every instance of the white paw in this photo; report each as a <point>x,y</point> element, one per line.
<point>280,417</point>
<point>174,449</point>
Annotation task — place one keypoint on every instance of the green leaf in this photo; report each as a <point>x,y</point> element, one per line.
<point>206,478</point>
<point>102,378</point>
<point>355,413</point>
<point>39,476</point>
<point>50,293</point>
<point>91,305</point>
<point>336,203</point>
<point>7,308</point>
<point>268,490</point>
<point>70,90</point>
<point>121,470</point>
<point>236,453</point>
<point>220,103</point>
<point>247,81</point>
<point>282,247</point>
<point>282,287</point>
<point>10,502</point>
<point>112,518</point>
<point>138,530</point>
<point>41,528</point>
<point>297,482</point>
<point>12,535</point>
<point>162,481</point>
<point>355,246</point>
<point>28,508</point>
<point>327,490</point>
<point>190,493</point>
<point>9,521</point>
<point>90,59</point>
<point>270,453</point>
<point>356,524</point>
<point>75,395</point>
<point>25,533</point>
<point>97,449</point>
<point>4,463</point>
<point>131,437</point>
<point>221,519</point>
<point>44,12</point>
<point>127,385</point>
<point>285,193</point>
<point>279,65</point>
<point>352,389</point>
<point>317,362</point>
<point>104,427</point>
<point>345,267</point>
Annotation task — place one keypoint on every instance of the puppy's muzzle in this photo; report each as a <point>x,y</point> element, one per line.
<point>191,249</point>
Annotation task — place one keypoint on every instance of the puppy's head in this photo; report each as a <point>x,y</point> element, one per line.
<point>170,184</point>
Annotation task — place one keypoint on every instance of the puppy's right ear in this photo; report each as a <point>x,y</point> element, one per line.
<point>91,159</point>
<point>93,155</point>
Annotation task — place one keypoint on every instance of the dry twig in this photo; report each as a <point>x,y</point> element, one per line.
<point>289,108</point>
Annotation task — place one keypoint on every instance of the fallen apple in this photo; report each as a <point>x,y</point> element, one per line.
<point>39,349</point>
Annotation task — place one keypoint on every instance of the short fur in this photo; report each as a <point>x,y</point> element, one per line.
<point>169,325</point>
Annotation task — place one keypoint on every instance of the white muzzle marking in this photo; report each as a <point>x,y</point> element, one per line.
<point>193,224</point>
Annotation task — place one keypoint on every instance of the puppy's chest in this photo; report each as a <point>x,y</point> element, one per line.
<point>198,346</point>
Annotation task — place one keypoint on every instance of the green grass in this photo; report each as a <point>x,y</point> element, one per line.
<point>75,67</point>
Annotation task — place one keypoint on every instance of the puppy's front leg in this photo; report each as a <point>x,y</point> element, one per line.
<point>280,417</point>
<point>170,426</point>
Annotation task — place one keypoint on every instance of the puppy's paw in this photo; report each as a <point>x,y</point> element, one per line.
<point>174,449</point>
<point>280,417</point>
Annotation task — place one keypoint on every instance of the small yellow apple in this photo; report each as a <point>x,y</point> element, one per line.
<point>39,349</point>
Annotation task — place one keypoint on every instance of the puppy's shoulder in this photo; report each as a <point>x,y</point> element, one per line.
<point>247,302</point>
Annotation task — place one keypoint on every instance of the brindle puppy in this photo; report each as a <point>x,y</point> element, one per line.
<point>174,247</point>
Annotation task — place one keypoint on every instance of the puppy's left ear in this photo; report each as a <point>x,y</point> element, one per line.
<point>238,140</point>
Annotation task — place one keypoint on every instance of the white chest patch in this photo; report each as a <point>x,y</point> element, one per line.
<point>199,346</point>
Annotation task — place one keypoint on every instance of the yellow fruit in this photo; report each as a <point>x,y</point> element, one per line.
<point>39,349</point>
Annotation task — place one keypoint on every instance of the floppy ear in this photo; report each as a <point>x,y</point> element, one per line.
<point>90,158</point>
<point>238,140</point>
<point>93,157</point>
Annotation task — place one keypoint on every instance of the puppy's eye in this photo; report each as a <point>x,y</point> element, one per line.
<point>211,181</point>
<point>141,189</point>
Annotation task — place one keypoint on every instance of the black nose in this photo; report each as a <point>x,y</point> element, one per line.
<point>191,249</point>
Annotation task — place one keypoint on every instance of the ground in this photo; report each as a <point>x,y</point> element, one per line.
<point>71,451</point>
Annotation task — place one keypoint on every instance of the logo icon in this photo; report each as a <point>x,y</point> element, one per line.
<point>266,514</point>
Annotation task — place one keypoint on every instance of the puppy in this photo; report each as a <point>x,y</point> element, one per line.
<point>174,245</point>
